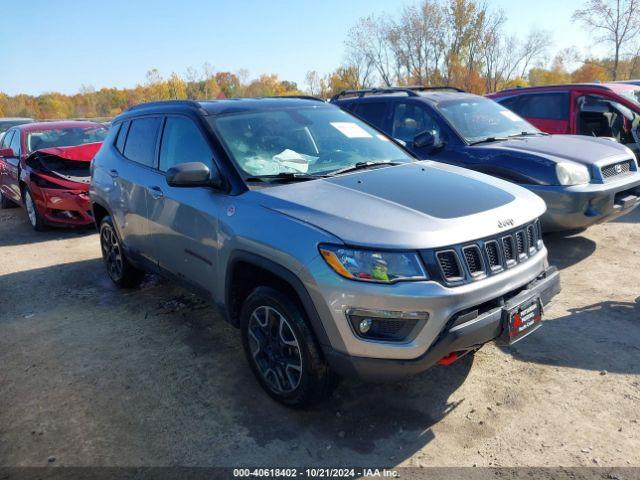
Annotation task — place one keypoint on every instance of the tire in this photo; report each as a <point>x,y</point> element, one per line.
<point>35,219</point>
<point>5,202</point>
<point>119,269</point>
<point>282,350</point>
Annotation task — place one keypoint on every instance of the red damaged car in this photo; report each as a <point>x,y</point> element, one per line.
<point>45,168</point>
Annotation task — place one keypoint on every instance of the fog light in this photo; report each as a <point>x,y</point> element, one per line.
<point>391,326</point>
<point>365,325</point>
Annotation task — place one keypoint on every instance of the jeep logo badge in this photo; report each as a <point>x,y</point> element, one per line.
<point>618,168</point>
<point>507,222</point>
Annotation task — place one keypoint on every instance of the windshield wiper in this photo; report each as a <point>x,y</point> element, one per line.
<point>360,166</point>
<point>527,134</point>
<point>286,176</point>
<point>489,139</point>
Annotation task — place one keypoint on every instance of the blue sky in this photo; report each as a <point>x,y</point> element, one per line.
<point>59,45</point>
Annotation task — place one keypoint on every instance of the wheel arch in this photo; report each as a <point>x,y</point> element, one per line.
<point>246,270</point>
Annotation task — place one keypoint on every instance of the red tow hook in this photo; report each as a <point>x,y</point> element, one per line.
<point>449,359</point>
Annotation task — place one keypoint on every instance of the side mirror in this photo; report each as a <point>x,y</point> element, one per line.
<point>7,152</point>
<point>426,139</point>
<point>193,174</point>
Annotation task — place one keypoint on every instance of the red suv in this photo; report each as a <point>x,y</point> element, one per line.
<point>45,168</point>
<point>592,109</point>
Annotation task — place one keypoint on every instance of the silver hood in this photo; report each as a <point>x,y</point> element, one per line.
<point>417,205</point>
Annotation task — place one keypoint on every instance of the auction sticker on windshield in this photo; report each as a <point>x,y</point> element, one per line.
<point>351,130</point>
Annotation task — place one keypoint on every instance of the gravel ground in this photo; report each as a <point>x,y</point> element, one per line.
<point>94,376</point>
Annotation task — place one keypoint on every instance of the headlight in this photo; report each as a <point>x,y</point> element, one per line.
<point>572,174</point>
<point>372,265</point>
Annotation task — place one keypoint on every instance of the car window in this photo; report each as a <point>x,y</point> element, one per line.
<point>15,143</point>
<point>372,112</point>
<point>140,145</point>
<point>122,135</point>
<point>411,119</point>
<point>311,140</point>
<point>6,140</point>
<point>549,106</point>
<point>182,142</point>
<point>511,103</point>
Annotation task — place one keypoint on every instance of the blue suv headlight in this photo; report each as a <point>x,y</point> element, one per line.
<point>373,265</point>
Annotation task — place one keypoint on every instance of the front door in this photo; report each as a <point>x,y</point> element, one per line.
<point>183,222</point>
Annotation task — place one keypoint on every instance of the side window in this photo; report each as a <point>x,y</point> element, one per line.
<point>409,120</point>
<point>182,142</point>
<point>548,106</point>
<point>372,112</point>
<point>15,143</point>
<point>6,140</point>
<point>122,135</point>
<point>140,145</point>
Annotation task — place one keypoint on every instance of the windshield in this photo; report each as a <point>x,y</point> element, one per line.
<point>477,119</point>
<point>632,95</point>
<point>305,140</point>
<point>65,137</point>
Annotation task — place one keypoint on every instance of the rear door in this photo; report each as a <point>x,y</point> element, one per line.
<point>183,222</point>
<point>137,143</point>
<point>548,111</point>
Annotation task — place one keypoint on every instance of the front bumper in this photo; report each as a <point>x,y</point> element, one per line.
<point>463,337</point>
<point>580,206</point>
<point>63,207</point>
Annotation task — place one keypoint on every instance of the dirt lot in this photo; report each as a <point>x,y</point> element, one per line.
<point>92,375</point>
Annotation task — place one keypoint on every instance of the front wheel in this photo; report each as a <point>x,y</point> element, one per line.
<point>282,350</point>
<point>120,270</point>
<point>35,219</point>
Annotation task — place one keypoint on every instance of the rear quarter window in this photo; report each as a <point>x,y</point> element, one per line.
<point>547,106</point>
<point>140,144</point>
<point>123,128</point>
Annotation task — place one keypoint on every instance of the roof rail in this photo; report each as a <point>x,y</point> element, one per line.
<point>165,103</point>
<point>601,86</point>
<point>410,91</point>
<point>302,97</point>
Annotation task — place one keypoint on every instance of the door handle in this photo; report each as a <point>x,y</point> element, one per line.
<point>113,173</point>
<point>156,192</point>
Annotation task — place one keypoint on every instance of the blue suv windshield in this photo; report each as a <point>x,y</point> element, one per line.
<point>304,140</point>
<point>477,119</point>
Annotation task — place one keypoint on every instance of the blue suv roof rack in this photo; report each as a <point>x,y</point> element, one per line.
<point>410,91</point>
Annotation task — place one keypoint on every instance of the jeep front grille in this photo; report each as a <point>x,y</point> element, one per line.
<point>472,261</point>
<point>449,265</point>
<point>473,258</point>
<point>615,169</point>
<point>493,254</point>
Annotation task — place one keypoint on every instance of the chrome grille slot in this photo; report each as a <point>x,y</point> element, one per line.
<point>509,250</point>
<point>493,255</point>
<point>473,258</point>
<point>450,265</point>
<point>531,238</point>
<point>520,243</point>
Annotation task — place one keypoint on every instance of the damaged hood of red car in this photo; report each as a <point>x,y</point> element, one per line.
<point>81,153</point>
<point>66,164</point>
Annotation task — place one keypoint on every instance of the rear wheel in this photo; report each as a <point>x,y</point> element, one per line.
<point>282,350</point>
<point>120,270</point>
<point>35,219</point>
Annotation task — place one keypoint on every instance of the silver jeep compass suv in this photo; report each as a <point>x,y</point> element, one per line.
<point>332,249</point>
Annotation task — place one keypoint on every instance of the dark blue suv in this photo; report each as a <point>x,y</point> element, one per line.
<point>583,180</point>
